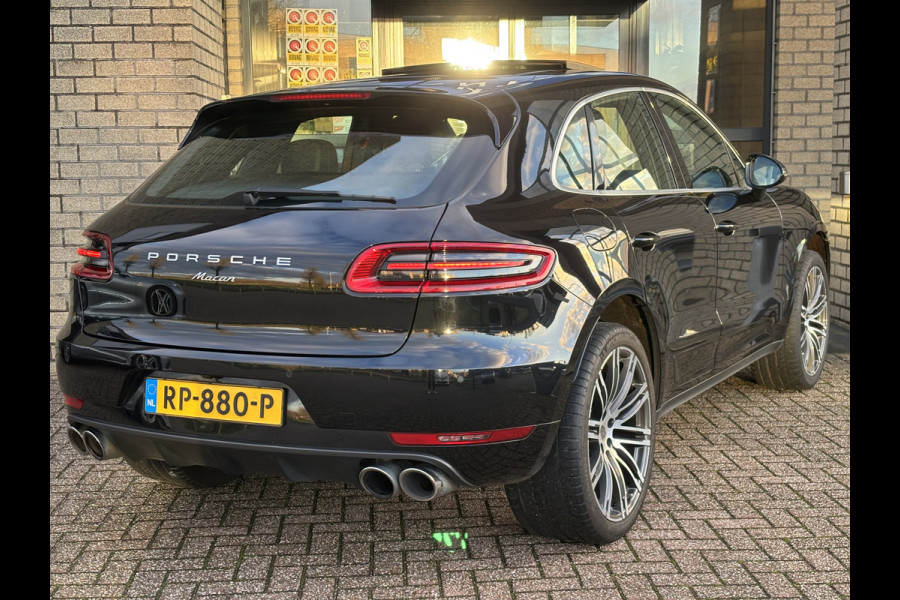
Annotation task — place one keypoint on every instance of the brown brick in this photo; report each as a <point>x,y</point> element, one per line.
<point>90,16</point>
<point>124,50</point>
<point>131,16</point>
<point>113,34</point>
<point>92,51</point>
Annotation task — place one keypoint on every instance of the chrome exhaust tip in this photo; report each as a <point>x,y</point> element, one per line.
<point>98,446</point>
<point>381,480</point>
<point>77,440</point>
<point>424,482</point>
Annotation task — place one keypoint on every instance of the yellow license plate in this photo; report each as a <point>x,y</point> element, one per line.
<point>198,400</point>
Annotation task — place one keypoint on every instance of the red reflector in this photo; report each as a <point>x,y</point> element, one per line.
<point>323,96</point>
<point>90,253</point>
<point>76,403</point>
<point>468,437</point>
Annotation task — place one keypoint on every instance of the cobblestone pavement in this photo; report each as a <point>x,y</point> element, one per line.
<point>750,498</point>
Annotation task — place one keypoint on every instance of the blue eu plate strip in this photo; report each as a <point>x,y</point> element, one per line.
<point>150,396</point>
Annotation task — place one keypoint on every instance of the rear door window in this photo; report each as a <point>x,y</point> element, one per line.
<point>709,160</point>
<point>611,143</point>
<point>628,152</point>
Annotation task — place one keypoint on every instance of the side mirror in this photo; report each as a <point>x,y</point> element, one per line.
<point>764,171</point>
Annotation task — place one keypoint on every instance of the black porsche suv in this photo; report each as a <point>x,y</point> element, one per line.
<point>441,278</point>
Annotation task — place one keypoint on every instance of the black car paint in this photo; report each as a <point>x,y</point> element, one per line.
<point>436,364</point>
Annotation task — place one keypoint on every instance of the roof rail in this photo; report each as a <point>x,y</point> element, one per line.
<point>496,67</point>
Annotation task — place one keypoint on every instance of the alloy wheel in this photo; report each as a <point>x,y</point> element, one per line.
<point>814,319</point>
<point>620,434</point>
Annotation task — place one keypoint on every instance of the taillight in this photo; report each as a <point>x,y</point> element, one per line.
<point>96,257</point>
<point>448,267</point>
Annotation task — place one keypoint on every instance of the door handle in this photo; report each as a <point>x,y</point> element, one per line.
<point>726,227</point>
<point>645,241</point>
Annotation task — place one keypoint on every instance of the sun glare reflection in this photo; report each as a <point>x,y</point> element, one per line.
<point>468,53</point>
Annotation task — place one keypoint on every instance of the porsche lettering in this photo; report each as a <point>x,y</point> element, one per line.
<point>232,259</point>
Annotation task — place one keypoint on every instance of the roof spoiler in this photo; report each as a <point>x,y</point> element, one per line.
<point>497,67</point>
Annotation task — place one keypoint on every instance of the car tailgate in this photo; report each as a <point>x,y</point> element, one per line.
<point>259,281</point>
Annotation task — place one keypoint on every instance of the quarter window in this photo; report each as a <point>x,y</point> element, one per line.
<point>573,166</point>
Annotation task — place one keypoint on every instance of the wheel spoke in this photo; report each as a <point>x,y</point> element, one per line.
<point>620,398</point>
<point>610,375</point>
<point>636,401</point>
<point>816,306</point>
<point>641,430</point>
<point>601,394</point>
<point>621,490</point>
<point>597,470</point>
<point>812,351</point>
<point>631,441</point>
<point>606,489</point>
<point>627,462</point>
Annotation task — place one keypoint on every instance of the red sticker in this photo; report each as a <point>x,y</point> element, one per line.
<point>312,46</point>
<point>328,17</point>
<point>330,75</point>
<point>296,75</point>
<point>294,16</point>
<point>295,46</point>
<point>312,75</point>
<point>329,46</point>
<point>312,17</point>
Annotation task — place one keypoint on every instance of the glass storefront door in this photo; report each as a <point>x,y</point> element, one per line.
<point>590,39</point>
<point>718,52</point>
<point>469,40</point>
<point>416,32</point>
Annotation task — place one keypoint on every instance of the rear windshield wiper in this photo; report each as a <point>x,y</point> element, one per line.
<point>292,197</point>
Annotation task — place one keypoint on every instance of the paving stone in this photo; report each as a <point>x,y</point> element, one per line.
<point>750,498</point>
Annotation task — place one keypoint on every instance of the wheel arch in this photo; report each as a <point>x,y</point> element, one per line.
<point>624,303</point>
<point>818,242</point>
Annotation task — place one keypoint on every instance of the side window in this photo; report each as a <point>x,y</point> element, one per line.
<point>628,152</point>
<point>709,162</point>
<point>573,165</point>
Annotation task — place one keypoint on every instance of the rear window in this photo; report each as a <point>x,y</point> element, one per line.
<point>414,155</point>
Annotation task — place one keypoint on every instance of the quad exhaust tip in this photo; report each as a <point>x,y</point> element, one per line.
<point>420,482</point>
<point>76,440</point>
<point>381,480</point>
<point>424,482</point>
<point>89,441</point>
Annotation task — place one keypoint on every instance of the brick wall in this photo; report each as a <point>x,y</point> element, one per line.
<point>840,204</point>
<point>811,117</point>
<point>126,79</point>
<point>804,90</point>
<point>234,35</point>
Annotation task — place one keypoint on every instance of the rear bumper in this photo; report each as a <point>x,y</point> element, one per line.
<point>468,466</point>
<point>352,404</point>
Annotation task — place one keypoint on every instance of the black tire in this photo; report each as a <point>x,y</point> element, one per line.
<point>563,500</point>
<point>798,364</point>
<point>189,477</point>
